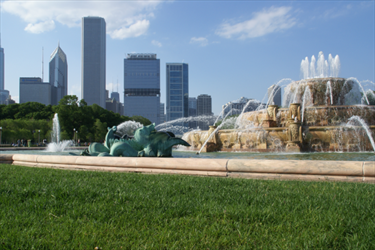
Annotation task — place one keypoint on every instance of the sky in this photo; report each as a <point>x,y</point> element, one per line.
<point>234,48</point>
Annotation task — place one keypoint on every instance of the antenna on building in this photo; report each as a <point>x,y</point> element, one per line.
<point>117,85</point>
<point>42,64</point>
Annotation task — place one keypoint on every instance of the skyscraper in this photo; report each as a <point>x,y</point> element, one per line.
<point>116,96</point>
<point>94,60</point>
<point>162,113</point>
<point>4,94</point>
<point>58,75</point>
<point>142,86</point>
<point>177,90</point>
<point>204,108</point>
<point>1,68</point>
<point>192,111</point>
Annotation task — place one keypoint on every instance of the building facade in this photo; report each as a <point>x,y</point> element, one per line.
<point>4,95</point>
<point>58,75</point>
<point>274,95</point>
<point>162,113</point>
<point>177,78</point>
<point>116,96</point>
<point>1,68</point>
<point>193,111</point>
<point>33,89</point>
<point>142,86</point>
<point>204,108</point>
<point>93,60</point>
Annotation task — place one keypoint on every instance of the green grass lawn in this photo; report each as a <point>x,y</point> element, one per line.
<point>60,209</point>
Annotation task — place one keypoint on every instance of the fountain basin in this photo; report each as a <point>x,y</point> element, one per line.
<point>350,171</point>
<point>319,124</point>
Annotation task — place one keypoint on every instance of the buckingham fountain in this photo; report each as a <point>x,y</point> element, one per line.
<point>320,113</point>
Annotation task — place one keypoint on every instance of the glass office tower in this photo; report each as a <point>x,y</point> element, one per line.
<point>93,60</point>
<point>177,78</point>
<point>58,75</point>
<point>142,86</point>
<point>1,68</point>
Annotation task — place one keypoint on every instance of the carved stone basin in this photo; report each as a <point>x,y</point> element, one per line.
<point>323,127</point>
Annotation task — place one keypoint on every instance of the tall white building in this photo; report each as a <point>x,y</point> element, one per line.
<point>94,60</point>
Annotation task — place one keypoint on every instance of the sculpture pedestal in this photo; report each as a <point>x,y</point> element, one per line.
<point>210,147</point>
<point>269,124</point>
<point>293,146</point>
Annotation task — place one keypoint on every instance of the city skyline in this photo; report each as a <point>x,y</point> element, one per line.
<point>241,51</point>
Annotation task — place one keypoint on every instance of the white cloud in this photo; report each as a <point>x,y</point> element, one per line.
<point>202,41</point>
<point>264,22</point>
<point>123,18</point>
<point>40,27</point>
<point>156,43</point>
<point>133,30</point>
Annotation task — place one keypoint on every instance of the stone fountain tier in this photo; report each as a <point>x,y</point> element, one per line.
<point>323,129</point>
<point>322,91</point>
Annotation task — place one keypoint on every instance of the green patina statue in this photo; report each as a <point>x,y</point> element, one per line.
<point>146,142</point>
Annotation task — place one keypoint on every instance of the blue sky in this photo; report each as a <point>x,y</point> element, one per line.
<point>233,48</point>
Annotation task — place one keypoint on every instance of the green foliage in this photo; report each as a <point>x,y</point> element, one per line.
<point>62,209</point>
<point>89,121</point>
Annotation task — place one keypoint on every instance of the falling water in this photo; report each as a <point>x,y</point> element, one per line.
<point>214,132</point>
<point>238,120</point>
<point>329,92</point>
<point>365,126</point>
<point>306,101</point>
<point>354,96</point>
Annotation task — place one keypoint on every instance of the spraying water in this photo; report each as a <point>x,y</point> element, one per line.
<point>213,133</point>
<point>321,68</point>
<point>128,127</point>
<point>56,145</point>
<point>364,125</point>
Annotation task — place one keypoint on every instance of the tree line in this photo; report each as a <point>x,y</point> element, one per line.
<point>33,120</point>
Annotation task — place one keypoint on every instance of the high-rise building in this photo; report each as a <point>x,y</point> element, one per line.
<point>142,86</point>
<point>4,94</point>
<point>204,108</point>
<point>192,111</point>
<point>162,113</point>
<point>274,95</point>
<point>204,105</point>
<point>58,75</point>
<point>33,89</point>
<point>177,90</point>
<point>94,60</point>
<point>1,68</point>
<point>116,96</point>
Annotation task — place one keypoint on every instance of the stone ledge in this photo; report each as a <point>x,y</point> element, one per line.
<point>303,170</point>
